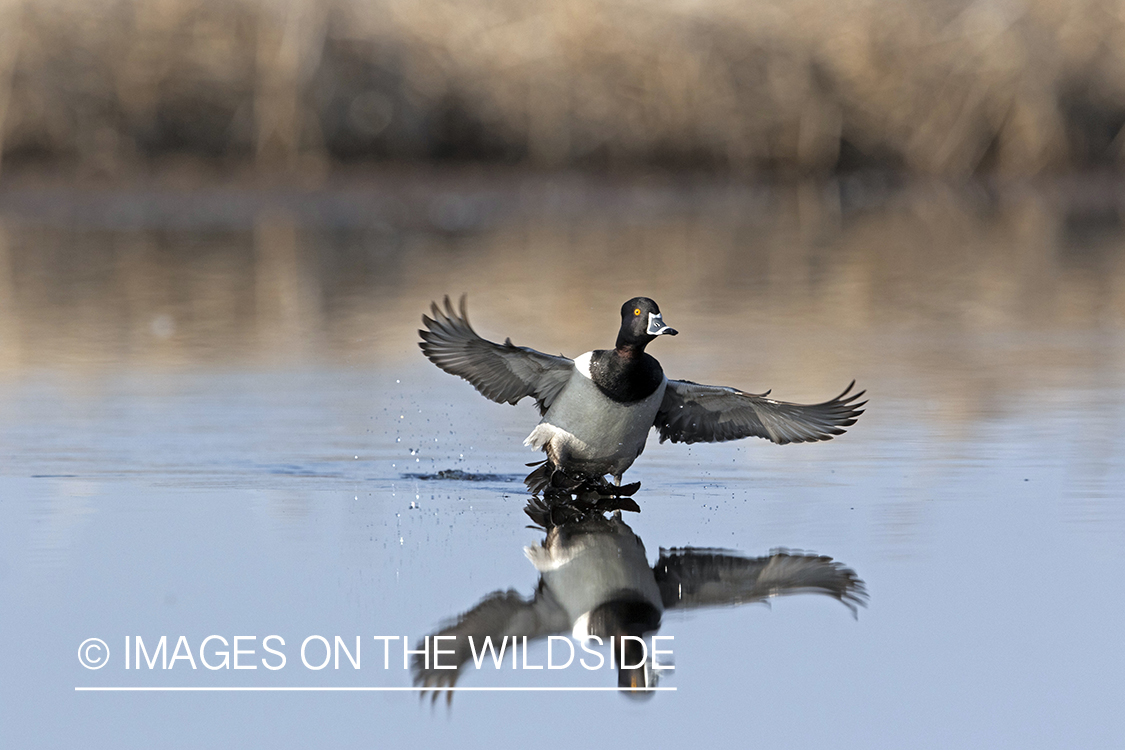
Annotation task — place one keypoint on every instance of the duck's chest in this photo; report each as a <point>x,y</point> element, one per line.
<point>604,426</point>
<point>624,379</point>
<point>587,572</point>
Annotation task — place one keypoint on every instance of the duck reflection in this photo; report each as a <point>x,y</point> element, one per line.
<point>596,581</point>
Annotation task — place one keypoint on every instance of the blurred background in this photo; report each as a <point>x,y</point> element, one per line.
<point>779,87</point>
<point>194,180</point>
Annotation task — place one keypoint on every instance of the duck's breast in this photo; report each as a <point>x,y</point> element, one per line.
<point>594,426</point>
<point>592,569</point>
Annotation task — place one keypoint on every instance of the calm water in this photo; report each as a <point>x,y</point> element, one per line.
<point>214,420</point>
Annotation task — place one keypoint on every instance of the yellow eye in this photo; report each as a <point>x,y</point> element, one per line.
<point>637,311</point>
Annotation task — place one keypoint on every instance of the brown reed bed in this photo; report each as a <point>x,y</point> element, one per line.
<point>790,87</point>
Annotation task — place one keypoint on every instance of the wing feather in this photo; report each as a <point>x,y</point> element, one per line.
<point>500,614</point>
<point>504,373</point>
<point>695,413</point>
<point>692,578</point>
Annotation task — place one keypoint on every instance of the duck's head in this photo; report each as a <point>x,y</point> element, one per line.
<point>630,616</point>
<point>641,322</point>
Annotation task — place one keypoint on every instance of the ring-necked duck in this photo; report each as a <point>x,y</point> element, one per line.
<point>598,409</point>
<point>595,580</point>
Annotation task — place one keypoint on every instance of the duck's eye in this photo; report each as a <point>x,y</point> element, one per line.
<point>637,311</point>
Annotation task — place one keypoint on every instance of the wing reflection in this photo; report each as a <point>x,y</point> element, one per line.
<point>595,581</point>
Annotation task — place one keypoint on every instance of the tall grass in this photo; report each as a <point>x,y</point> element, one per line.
<point>788,86</point>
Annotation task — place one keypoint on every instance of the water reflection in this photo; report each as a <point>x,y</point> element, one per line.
<point>595,583</point>
<point>978,299</point>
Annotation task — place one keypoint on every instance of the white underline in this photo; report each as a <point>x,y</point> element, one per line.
<point>361,689</point>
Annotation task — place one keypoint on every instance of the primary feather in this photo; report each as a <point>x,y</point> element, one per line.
<point>694,413</point>
<point>504,373</point>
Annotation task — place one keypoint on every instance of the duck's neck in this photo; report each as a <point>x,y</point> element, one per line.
<point>629,348</point>
<point>626,373</point>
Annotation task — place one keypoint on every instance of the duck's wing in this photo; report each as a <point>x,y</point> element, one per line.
<point>692,578</point>
<point>502,372</point>
<point>694,413</point>
<point>500,614</point>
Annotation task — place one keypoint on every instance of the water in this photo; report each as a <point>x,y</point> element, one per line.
<point>214,420</point>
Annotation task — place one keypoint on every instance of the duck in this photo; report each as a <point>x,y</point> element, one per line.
<point>598,409</point>
<point>596,582</point>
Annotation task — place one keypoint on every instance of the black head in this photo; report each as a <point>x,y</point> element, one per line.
<point>632,617</point>
<point>641,323</point>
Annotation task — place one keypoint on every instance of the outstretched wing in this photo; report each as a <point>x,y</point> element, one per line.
<point>690,578</point>
<point>694,413</point>
<point>502,372</point>
<point>499,618</point>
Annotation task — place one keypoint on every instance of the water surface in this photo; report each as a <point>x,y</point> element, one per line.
<point>214,420</point>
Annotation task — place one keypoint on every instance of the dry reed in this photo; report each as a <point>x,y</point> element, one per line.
<point>788,86</point>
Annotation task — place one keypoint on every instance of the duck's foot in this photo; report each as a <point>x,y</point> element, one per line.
<point>618,503</point>
<point>553,481</point>
<point>603,488</point>
<point>551,510</point>
<point>625,490</point>
<point>562,509</point>
<point>540,480</point>
<point>549,478</point>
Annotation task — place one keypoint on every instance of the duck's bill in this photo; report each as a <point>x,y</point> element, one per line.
<point>656,326</point>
